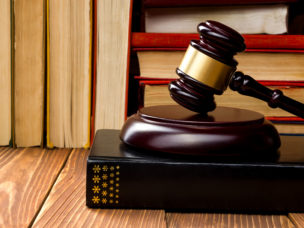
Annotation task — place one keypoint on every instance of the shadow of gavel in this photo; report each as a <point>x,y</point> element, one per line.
<point>208,67</point>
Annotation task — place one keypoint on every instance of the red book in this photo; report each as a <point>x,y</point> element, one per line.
<point>175,41</point>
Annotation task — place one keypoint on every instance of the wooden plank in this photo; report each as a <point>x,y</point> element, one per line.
<point>26,177</point>
<point>297,219</point>
<point>65,205</point>
<point>226,220</point>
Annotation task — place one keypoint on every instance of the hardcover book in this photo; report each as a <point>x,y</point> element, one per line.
<point>5,73</point>
<point>28,74</point>
<point>247,19</point>
<point>119,176</point>
<point>69,49</point>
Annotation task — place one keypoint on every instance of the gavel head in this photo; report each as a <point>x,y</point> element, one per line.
<point>207,67</point>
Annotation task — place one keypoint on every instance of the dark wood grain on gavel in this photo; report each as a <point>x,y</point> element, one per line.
<point>246,85</point>
<point>208,67</point>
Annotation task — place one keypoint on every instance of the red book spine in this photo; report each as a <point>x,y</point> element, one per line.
<point>285,119</point>
<point>179,3</point>
<point>157,81</point>
<point>162,81</point>
<point>176,41</point>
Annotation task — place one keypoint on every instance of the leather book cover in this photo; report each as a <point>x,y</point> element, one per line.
<point>119,176</point>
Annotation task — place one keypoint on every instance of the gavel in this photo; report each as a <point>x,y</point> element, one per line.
<point>208,67</point>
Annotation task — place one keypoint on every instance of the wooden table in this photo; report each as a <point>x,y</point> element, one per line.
<point>46,188</point>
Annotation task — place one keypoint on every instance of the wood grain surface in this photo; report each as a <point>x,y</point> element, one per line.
<point>297,219</point>
<point>226,220</point>
<point>37,187</point>
<point>26,177</point>
<point>65,206</point>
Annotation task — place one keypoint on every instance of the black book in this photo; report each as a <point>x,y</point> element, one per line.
<point>119,176</point>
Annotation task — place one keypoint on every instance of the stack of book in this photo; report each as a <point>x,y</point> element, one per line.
<point>272,57</point>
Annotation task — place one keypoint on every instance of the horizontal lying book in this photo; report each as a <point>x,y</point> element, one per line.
<point>157,93</point>
<point>154,41</point>
<point>168,3</point>
<point>119,176</point>
<point>247,19</point>
<point>261,65</point>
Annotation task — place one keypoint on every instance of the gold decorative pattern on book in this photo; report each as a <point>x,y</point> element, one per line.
<point>106,184</point>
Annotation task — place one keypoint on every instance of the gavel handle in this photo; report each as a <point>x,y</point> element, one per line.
<point>246,85</point>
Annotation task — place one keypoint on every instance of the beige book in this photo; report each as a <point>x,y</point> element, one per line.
<point>159,95</point>
<point>5,72</point>
<point>290,128</point>
<point>247,19</point>
<point>69,73</point>
<point>259,65</point>
<point>113,26</point>
<point>29,72</point>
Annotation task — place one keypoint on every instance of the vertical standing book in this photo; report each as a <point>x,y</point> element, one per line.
<point>5,73</point>
<point>69,73</point>
<point>29,71</point>
<point>113,21</point>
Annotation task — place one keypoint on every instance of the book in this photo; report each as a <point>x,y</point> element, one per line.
<point>289,127</point>
<point>112,62</point>
<point>5,73</point>
<point>178,41</point>
<point>69,49</point>
<point>260,64</point>
<point>168,3</point>
<point>246,19</point>
<point>119,176</point>
<point>29,72</point>
<point>156,93</point>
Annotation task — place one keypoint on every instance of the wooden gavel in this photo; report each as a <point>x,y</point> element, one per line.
<point>208,67</point>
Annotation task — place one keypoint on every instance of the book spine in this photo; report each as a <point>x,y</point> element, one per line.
<point>208,186</point>
<point>180,3</point>
<point>128,60</point>
<point>12,142</point>
<point>157,81</point>
<point>91,56</point>
<point>94,59</point>
<point>278,84</point>
<point>177,40</point>
<point>49,144</point>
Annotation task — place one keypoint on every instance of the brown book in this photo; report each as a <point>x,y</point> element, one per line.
<point>29,71</point>
<point>158,94</point>
<point>69,73</point>
<point>5,73</point>
<point>271,64</point>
